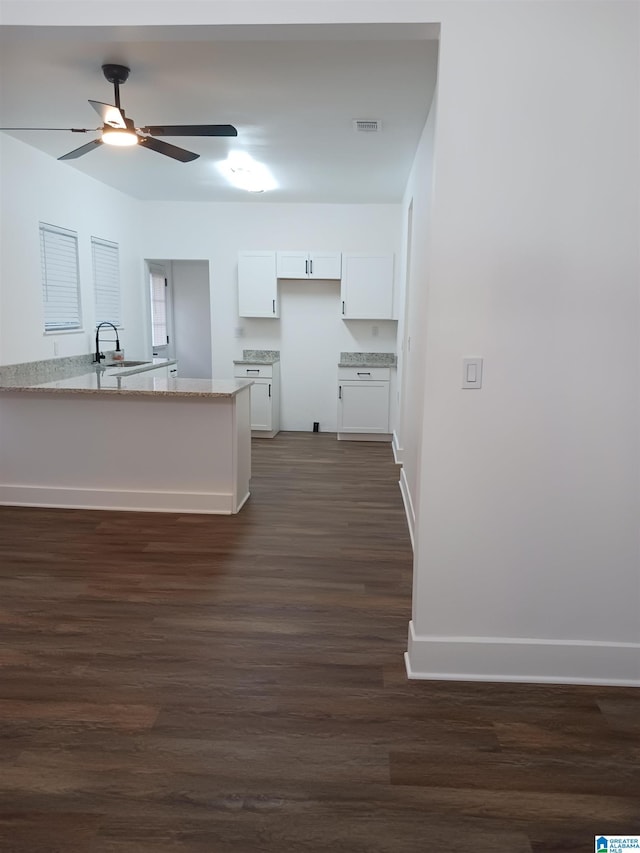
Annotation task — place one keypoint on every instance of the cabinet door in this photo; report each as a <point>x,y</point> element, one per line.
<point>261,404</point>
<point>367,287</point>
<point>292,264</point>
<point>363,407</point>
<point>326,265</point>
<point>257,285</point>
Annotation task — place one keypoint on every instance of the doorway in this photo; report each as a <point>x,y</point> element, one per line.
<point>180,314</point>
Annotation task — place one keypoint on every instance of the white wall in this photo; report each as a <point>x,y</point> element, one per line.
<point>527,562</point>
<point>310,333</point>
<point>36,188</point>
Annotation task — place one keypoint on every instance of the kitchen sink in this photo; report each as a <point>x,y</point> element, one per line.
<point>127,363</point>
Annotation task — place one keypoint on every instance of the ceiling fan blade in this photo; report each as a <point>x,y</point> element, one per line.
<point>191,130</point>
<point>109,114</point>
<point>67,129</point>
<point>169,150</point>
<point>84,149</point>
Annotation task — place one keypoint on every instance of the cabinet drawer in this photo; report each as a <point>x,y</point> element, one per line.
<point>363,373</point>
<point>253,371</point>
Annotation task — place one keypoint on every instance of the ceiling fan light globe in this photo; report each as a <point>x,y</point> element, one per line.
<point>119,136</point>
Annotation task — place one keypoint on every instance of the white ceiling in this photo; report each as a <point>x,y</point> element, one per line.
<point>291,91</point>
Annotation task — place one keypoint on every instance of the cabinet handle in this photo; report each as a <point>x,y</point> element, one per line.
<point>311,267</point>
<point>269,389</point>
<point>364,374</point>
<point>306,267</point>
<point>274,305</point>
<point>253,370</point>
<point>343,306</point>
<point>339,392</point>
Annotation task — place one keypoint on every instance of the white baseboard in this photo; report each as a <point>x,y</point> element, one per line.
<point>506,659</point>
<point>408,506</point>
<point>130,501</point>
<point>397,450</point>
<point>364,436</point>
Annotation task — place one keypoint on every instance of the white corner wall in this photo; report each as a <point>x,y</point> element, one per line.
<point>36,188</point>
<point>527,560</point>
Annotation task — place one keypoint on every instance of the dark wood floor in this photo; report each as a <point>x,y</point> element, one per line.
<point>206,684</point>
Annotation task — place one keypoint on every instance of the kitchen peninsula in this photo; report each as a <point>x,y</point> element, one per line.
<point>107,440</point>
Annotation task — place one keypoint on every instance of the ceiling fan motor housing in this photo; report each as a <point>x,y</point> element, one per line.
<point>116,74</point>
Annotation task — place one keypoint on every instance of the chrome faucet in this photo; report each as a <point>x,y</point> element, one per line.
<point>100,355</point>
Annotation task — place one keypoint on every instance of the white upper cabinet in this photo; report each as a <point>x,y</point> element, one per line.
<point>323,265</point>
<point>367,287</point>
<point>257,285</point>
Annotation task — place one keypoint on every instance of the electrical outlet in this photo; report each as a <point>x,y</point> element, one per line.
<point>239,331</point>
<point>375,330</point>
<point>55,347</point>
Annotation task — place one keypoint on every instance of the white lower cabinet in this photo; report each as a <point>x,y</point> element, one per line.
<point>166,371</point>
<point>170,371</point>
<point>265,397</point>
<point>363,403</point>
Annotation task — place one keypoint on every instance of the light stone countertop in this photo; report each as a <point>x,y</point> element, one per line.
<point>255,360</point>
<point>106,382</point>
<point>368,359</point>
<point>258,356</point>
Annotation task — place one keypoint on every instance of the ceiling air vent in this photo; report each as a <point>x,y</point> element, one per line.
<point>369,125</point>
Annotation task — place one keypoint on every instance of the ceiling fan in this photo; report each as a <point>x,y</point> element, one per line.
<point>119,130</point>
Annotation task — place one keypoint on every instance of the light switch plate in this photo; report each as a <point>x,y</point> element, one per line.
<point>472,373</point>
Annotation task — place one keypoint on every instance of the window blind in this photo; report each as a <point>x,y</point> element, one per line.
<point>60,278</point>
<point>106,281</point>
<point>159,331</point>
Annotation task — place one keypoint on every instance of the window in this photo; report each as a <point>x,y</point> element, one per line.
<point>106,281</point>
<point>60,278</point>
<point>159,320</point>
